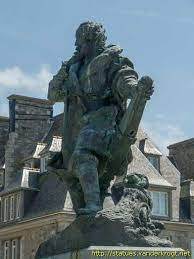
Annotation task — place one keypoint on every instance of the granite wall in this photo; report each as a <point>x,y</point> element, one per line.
<point>4,133</point>
<point>182,154</point>
<point>30,120</point>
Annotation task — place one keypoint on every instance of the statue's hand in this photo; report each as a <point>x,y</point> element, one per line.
<point>146,83</point>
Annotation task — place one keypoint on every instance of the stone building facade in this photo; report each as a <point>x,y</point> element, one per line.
<point>182,155</point>
<point>35,203</point>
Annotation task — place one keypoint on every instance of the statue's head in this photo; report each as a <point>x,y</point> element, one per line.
<point>90,38</point>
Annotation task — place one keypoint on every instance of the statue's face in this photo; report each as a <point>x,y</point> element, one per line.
<point>83,46</point>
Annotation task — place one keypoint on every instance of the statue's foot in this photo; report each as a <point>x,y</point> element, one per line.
<point>89,210</point>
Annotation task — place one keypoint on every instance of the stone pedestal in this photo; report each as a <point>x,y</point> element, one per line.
<point>114,252</point>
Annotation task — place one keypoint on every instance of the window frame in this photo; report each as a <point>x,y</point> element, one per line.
<point>1,210</point>
<point>166,199</point>
<point>16,243</point>
<point>12,203</point>
<point>12,248</point>
<point>2,177</point>
<point>6,250</point>
<point>157,157</point>
<point>6,209</point>
<point>43,164</point>
<point>18,206</point>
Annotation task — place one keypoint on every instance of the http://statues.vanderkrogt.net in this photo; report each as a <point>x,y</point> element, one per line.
<point>104,102</point>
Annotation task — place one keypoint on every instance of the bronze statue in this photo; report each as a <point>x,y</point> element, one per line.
<point>99,128</point>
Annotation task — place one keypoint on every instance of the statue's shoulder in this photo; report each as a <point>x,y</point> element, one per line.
<point>114,51</point>
<point>109,60</point>
<point>119,64</point>
<point>105,58</point>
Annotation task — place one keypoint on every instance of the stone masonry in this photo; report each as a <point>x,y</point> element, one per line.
<point>182,154</point>
<point>30,118</point>
<point>4,133</point>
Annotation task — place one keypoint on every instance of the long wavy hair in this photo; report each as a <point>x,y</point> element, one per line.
<point>93,32</point>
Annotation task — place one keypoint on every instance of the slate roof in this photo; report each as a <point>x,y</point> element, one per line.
<point>165,164</point>
<point>36,154</point>
<point>147,147</point>
<point>46,142</point>
<point>25,179</point>
<point>180,144</point>
<point>54,145</point>
<point>51,198</point>
<point>4,131</point>
<point>140,164</point>
<point>56,129</point>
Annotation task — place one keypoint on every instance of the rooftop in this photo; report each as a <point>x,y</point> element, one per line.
<point>30,99</point>
<point>186,142</point>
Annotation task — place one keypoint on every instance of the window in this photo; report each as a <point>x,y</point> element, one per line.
<point>1,178</point>
<point>43,163</point>
<point>12,208</point>
<point>18,198</point>
<point>6,249</point>
<point>154,160</point>
<point>6,208</point>
<point>14,249</point>
<point>1,210</point>
<point>21,247</point>
<point>160,203</point>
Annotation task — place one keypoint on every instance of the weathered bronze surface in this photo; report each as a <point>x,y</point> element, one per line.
<point>95,85</point>
<point>99,128</point>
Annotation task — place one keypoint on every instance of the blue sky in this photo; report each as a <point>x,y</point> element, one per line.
<point>157,35</point>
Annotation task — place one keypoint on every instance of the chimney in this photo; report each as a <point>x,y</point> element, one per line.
<point>30,119</point>
<point>182,155</point>
<point>187,200</point>
<point>4,133</point>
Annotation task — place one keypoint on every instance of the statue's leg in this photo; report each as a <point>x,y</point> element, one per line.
<point>76,193</point>
<point>85,166</point>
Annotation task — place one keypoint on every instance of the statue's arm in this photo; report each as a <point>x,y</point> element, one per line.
<point>125,82</point>
<point>56,90</point>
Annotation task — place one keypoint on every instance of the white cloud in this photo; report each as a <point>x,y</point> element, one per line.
<point>14,80</point>
<point>15,77</point>
<point>163,133</point>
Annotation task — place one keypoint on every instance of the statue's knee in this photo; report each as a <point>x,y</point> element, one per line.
<point>82,160</point>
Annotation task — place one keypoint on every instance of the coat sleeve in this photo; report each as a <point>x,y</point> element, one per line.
<point>125,80</point>
<point>56,90</point>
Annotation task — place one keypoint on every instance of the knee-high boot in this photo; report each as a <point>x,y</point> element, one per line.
<point>88,176</point>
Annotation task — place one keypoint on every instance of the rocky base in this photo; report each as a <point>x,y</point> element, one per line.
<point>126,224</point>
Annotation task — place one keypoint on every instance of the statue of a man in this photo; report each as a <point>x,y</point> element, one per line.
<point>95,85</point>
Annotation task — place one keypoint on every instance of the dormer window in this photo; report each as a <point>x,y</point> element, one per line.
<point>152,153</point>
<point>154,160</point>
